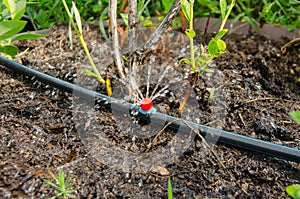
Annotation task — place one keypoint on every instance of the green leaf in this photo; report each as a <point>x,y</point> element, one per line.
<point>16,8</point>
<point>190,33</point>
<point>20,10</point>
<point>89,73</point>
<point>125,18</point>
<point>77,17</point>
<point>185,60</point>
<point>213,48</point>
<point>252,22</point>
<point>9,50</point>
<point>23,36</point>
<point>186,9</point>
<point>11,6</point>
<point>167,5</point>
<point>170,191</point>
<point>293,191</point>
<point>223,7</point>
<point>296,116</point>
<point>221,45</point>
<point>10,28</point>
<point>221,34</point>
<point>61,178</point>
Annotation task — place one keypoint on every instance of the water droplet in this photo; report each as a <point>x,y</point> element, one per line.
<point>235,71</point>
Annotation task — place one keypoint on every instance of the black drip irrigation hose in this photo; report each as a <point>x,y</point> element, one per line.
<point>239,141</point>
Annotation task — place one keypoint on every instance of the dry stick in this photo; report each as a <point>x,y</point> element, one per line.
<point>147,47</point>
<point>189,126</point>
<point>207,145</point>
<point>203,140</point>
<point>115,38</point>
<point>262,99</point>
<point>214,153</point>
<point>283,48</point>
<point>132,34</point>
<point>132,24</point>
<point>149,146</point>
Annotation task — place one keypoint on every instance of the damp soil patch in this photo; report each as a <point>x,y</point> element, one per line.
<point>38,132</point>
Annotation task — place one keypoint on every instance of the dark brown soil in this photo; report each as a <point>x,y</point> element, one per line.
<point>38,133</point>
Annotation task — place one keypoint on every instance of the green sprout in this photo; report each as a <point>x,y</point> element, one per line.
<point>293,191</point>
<point>78,29</point>
<point>211,95</point>
<point>63,186</point>
<point>170,191</point>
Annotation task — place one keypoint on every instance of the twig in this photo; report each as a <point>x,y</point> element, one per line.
<point>266,98</point>
<point>262,99</point>
<point>132,34</point>
<point>283,48</point>
<point>147,47</point>
<point>132,24</point>
<point>194,130</point>
<point>115,38</point>
<point>159,133</point>
<point>207,145</point>
<point>214,153</point>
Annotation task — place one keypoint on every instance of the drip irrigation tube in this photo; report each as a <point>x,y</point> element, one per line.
<point>239,141</point>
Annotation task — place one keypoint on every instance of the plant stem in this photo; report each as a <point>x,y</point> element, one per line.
<point>80,36</point>
<point>227,15</point>
<point>192,52</point>
<point>132,33</point>
<point>115,38</point>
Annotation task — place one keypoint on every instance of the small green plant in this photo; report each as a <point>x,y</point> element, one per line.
<point>170,191</point>
<point>296,116</point>
<point>78,29</point>
<point>11,24</point>
<point>199,57</point>
<point>293,191</point>
<point>64,186</point>
<point>211,95</point>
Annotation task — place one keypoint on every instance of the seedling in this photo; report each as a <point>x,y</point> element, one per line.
<point>64,186</point>
<point>200,58</point>
<point>211,95</point>
<point>170,191</point>
<point>11,25</point>
<point>78,29</point>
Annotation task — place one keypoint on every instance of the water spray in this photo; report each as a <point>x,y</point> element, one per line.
<point>146,106</point>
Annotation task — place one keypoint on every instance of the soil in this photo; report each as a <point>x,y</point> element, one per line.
<point>39,134</point>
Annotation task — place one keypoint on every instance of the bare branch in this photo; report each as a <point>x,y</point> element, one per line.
<point>132,24</point>
<point>162,27</point>
<point>115,38</point>
<point>132,34</point>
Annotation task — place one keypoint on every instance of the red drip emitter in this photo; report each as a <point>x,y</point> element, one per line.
<point>146,104</point>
